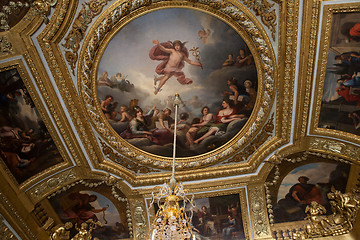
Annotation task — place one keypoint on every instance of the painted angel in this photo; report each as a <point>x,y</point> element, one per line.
<point>204,34</point>
<point>173,56</point>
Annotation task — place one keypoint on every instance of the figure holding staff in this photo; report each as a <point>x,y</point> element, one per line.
<point>173,55</point>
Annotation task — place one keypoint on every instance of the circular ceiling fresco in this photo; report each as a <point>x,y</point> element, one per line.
<point>176,50</point>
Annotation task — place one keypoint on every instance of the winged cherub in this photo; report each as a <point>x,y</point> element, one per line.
<point>204,34</point>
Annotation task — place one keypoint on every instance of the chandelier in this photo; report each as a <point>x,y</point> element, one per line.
<point>171,221</point>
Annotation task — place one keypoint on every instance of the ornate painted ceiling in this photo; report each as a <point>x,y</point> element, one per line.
<point>279,82</point>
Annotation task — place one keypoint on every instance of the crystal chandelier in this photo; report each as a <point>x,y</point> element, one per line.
<point>171,221</point>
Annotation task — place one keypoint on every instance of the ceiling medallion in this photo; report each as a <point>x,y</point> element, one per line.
<point>109,72</point>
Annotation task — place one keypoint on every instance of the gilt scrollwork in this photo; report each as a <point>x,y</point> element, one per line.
<point>72,41</point>
<point>265,10</point>
<point>5,45</point>
<point>139,220</point>
<point>131,165</point>
<point>257,204</point>
<point>62,178</point>
<point>42,9</point>
<point>310,65</point>
<point>10,209</point>
<point>335,147</point>
<point>108,180</point>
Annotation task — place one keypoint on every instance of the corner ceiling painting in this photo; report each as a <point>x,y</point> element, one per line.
<point>26,146</point>
<point>214,64</point>
<point>80,204</point>
<point>340,108</point>
<point>306,184</point>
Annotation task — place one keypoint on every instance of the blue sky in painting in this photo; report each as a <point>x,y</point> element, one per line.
<point>111,213</point>
<point>128,53</point>
<point>316,172</point>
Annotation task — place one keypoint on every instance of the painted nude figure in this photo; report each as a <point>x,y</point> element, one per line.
<point>173,55</point>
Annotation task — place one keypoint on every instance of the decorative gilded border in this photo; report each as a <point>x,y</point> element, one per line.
<point>88,11</point>
<point>309,41</point>
<point>49,40</point>
<point>257,204</point>
<point>265,10</point>
<point>19,66</point>
<point>5,46</point>
<point>140,227</point>
<point>287,65</point>
<point>328,12</point>
<point>344,150</point>
<point>59,180</point>
<point>118,15</point>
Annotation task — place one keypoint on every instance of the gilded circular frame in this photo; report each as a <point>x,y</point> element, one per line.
<point>121,13</point>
